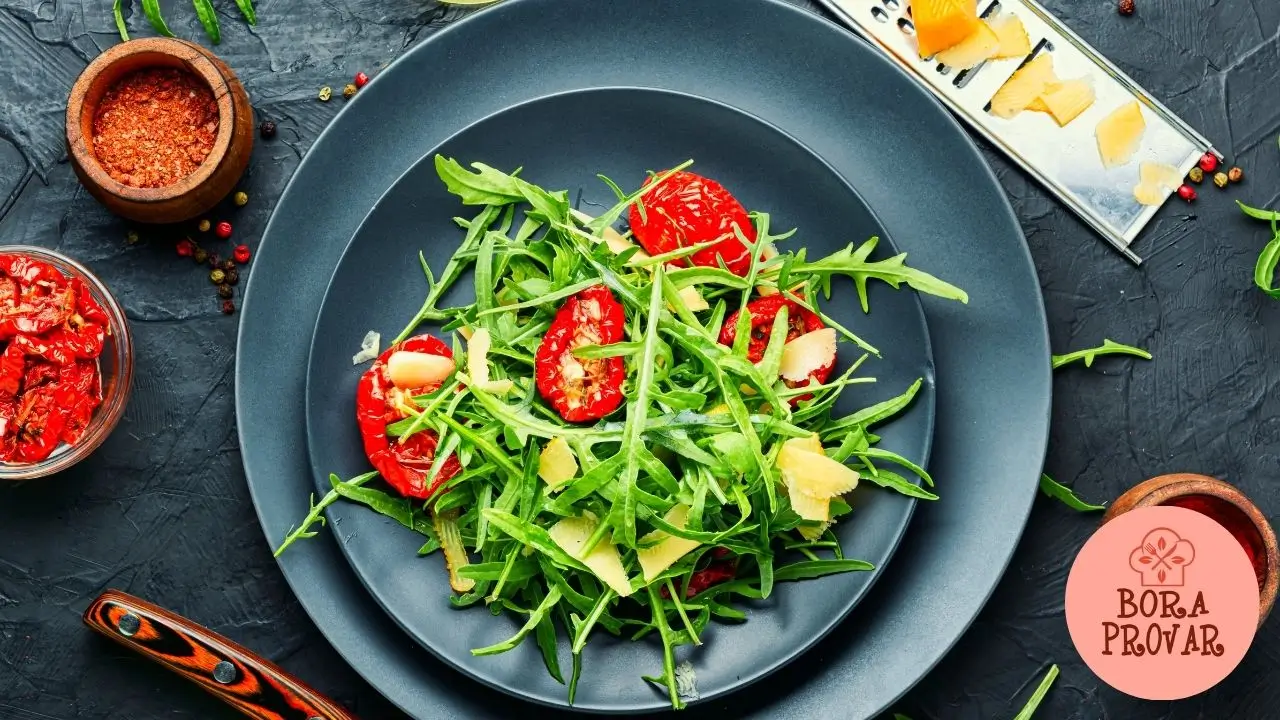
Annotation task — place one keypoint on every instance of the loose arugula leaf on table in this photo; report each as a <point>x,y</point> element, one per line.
<point>209,19</point>
<point>1108,347</point>
<point>1033,704</point>
<point>1264,271</point>
<point>1066,495</point>
<point>698,433</point>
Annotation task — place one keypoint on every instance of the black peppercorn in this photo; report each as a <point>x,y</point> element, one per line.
<point>227,265</point>
<point>217,277</point>
<point>233,276</point>
<point>214,260</point>
<point>1126,7</point>
<point>267,130</point>
<point>225,291</point>
<point>201,256</point>
<point>228,307</point>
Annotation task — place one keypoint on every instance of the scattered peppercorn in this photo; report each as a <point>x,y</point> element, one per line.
<point>227,265</point>
<point>349,91</point>
<point>361,79</point>
<point>204,225</point>
<point>241,254</point>
<point>185,247</point>
<point>223,230</point>
<point>240,199</point>
<point>233,276</point>
<point>132,237</point>
<point>1186,192</point>
<point>1220,179</point>
<point>217,276</point>
<point>201,256</point>
<point>214,260</point>
<point>1235,174</point>
<point>228,307</point>
<point>1209,162</point>
<point>326,92</point>
<point>1126,7</point>
<point>1195,175</point>
<point>225,291</point>
<point>267,130</point>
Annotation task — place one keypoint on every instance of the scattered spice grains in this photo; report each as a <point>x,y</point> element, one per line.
<point>267,130</point>
<point>349,91</point>
<point>186,248</point>
<point>240,199</point>
<point>1126,7</point>
<point>1195,175</point>
<point>326,92</point>
<point>233,277</point>
<point>1186,192</point>
<point>204,225</point>
<point>132,237</point>
<point>1208,162</point>
<point>154,127</point>
<point>217,276</point>
<point>201,256</point>
<point>223,230</point>
<point>1235,174</point>
<point>228,307</point>
<point>225,292</point>
<point>214,260</point>
<point>1220,179</point>
<point>241,254</point>
<point>361,79</point>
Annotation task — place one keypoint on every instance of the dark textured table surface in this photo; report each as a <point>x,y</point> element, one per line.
<point>162,511</point>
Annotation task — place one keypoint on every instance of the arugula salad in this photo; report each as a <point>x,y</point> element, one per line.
<point>625,432</point>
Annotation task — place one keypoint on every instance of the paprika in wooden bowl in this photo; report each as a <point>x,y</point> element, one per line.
<point>66,364</point>
<point>159,130</point>
<point>1227,506</point>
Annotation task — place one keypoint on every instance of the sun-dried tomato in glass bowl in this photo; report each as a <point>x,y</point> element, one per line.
<point>66,362</point>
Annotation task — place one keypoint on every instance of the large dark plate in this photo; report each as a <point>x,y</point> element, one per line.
<point>879,131</point>
<point>621,133</point>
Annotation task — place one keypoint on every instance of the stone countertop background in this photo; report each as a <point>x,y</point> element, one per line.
<point>162,510</point>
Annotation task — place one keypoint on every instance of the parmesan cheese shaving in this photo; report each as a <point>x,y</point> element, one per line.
<point>368,348</point>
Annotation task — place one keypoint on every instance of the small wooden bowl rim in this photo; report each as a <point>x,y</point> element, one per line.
<point>1161,489</point>
<point>194,59</point>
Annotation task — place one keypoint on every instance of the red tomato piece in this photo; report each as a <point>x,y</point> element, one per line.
<point>38,373</point>
<point>29,271</point>
<point>39,310</point>
<point>403,465</point>
<point>688,209</point>
<point>718,571</point>
<point>42,414</point>
<point>82,382</point>
<point>800,321</point>
<point>88,308</point>
<point>12,362</point>
<point>580,389</point>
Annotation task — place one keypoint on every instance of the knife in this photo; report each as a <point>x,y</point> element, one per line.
<point>254,686</point>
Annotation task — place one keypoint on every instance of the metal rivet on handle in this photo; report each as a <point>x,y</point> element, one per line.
<point>129,624</point>
<point>224,672</point>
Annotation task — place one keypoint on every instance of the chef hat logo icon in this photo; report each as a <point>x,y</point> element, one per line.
<point>1162,558</point>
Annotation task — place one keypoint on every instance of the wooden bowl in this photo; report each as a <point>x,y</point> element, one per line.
<point>1166,488</point>
<point>202,189</point>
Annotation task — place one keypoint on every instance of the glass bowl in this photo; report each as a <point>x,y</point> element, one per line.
<point>115,366</point>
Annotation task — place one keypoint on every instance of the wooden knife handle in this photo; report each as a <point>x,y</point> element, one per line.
<point>250,684</point>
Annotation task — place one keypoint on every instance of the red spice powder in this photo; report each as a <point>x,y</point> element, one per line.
<point>1236,522</point>
<point>155,127</point>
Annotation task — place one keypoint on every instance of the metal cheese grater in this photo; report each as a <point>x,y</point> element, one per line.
<point>1065,159</point>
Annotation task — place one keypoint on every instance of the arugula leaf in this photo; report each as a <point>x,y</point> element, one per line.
<point>209,19</point>
<point>1029,710</point>
<point>1056,490</point>
<point>118,12</point>
<point>1108,347</point>
<point>894,271</point>
<point>316,514</point>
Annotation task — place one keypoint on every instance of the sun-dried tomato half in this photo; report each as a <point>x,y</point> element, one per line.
<point>688,209</point>
<point>82,379</point>
<point>582,389</point>
<point>42,415</point>
<point>379,403</point>
<point>800,321</point>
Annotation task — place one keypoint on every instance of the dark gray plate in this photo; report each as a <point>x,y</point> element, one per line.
<point>880,132</point>
<point>621,133</point>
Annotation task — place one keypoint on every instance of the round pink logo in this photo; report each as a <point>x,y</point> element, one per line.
<point>1162,603</point>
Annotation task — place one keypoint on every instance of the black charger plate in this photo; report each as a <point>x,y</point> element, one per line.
<point>620,133</point>
<point>871,123</point>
